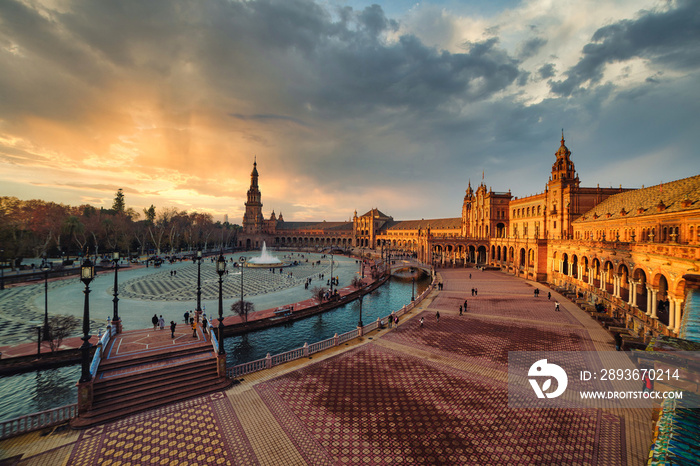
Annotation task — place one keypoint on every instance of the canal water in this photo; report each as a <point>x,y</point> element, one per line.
<point>379,303</point>
<point>36,391</point>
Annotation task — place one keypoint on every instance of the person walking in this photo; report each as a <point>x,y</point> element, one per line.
<point>194,327</point>
<point>172,329</point>
<point>549,295</point>
<point>460,310</point>
<point>421,321</point>
<point>465,305</point>
<point>556,306</point>
<point>437,316</point>
<point>187,316</point>
<point>161,322</point>
<point>618,341</point>
<point>154,319</point>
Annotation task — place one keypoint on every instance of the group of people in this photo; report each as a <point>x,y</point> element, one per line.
<point>160,322</point>
<point>463,309</point>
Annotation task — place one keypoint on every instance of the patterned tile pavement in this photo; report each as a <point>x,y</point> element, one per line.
<point>423,413</point>
<point>412,395</point>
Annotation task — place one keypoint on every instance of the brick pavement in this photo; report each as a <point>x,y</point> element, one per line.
<point>407,395</point>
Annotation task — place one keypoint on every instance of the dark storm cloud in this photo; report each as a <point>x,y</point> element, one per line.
<point>293,49</point>
<point>669,38</point>
<point>530,47</point>
<point>546,71</point>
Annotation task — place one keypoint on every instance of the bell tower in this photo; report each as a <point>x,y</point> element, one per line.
<point>563,167</point>
<point>467,210</point>
<point>561,189</point>
<point>253,217</point>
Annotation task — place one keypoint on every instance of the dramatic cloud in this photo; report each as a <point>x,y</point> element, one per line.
<point>347,105</point>
<point>668,38</point>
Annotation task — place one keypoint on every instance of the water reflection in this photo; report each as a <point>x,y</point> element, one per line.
<point>36,391</point>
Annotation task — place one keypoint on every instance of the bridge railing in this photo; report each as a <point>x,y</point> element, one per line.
<point>30,422</point>
<point>308,349</point>
<point>110,331</point>
<point>214,340</point>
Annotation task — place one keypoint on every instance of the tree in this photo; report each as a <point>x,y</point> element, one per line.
<point>356,282</point>
<point>61,327</point>
<point>150,214</point>
<point>119,205</point>
<point>242,308</point>
<point>319,292</point>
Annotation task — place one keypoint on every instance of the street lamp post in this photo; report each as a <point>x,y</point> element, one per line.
<point>359,322</point>
<point>2,269</point>
<point>242,262</point>
<point>221,361</point>
<point>199,283</point>
<point>38,341</point>
<point>331,274</point>
<point>45,269</point>
<point>413,284</point>
<point>115,316</point>
<point>87,273</point>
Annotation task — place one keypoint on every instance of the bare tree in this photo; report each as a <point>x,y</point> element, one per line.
<point>356,282</point>
<point>242,308</point>
<point>319,292</point>
<point>61,327</point>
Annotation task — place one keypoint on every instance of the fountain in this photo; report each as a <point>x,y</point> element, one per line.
<point>265,259</point>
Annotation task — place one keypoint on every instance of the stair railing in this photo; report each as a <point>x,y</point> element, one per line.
<point>110,331</point>
<point>214,341</point>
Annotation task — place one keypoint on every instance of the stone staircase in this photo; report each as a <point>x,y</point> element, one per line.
<point>124,386</point>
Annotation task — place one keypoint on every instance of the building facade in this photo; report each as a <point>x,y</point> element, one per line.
<point>633,249</point>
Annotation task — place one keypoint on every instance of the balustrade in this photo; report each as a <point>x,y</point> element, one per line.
<point>30,422</point>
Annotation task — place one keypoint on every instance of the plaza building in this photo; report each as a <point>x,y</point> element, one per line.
<point>634,250</point>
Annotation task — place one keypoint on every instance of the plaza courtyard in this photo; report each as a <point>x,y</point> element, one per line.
<point>435,394</point>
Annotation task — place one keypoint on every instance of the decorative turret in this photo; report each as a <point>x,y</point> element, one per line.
<point>563,167</point>
<point>470,192</point>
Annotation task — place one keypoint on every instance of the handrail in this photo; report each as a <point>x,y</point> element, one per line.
<point>214,341</point>
<point>35,421</point>
<point>110,331</point>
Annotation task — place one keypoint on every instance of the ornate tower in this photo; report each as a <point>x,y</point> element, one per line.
<point>253,217</point>
<point>467,210</point>
<point>561,189</point>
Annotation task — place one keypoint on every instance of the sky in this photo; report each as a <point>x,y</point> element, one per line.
<point>346,105</point>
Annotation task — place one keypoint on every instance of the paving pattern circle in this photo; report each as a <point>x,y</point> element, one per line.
<point>166,286</point>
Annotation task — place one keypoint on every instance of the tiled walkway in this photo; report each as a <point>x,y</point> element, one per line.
<point>435,394</point>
